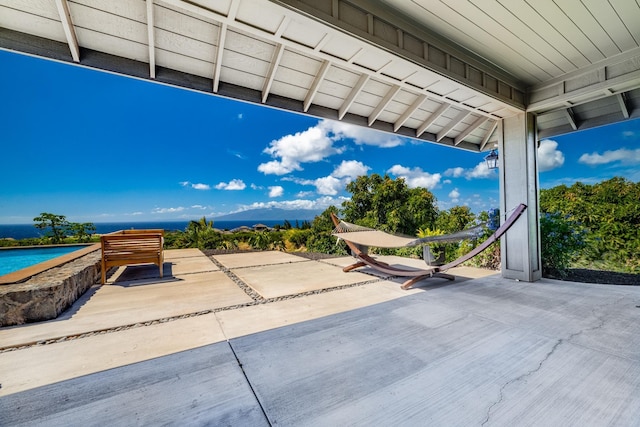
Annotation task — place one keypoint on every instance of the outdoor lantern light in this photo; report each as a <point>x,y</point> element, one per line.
<point>492,159</point>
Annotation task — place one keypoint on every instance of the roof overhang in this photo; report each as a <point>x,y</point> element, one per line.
<point>369,63</point>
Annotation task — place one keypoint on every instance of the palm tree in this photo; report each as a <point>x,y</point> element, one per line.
<point>197,232</point>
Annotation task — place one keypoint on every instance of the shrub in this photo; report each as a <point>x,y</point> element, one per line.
<point>562,238</point>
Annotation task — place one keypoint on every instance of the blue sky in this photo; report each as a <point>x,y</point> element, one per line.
<point>98,147</point>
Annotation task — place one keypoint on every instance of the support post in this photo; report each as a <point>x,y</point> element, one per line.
<point>520,247</point>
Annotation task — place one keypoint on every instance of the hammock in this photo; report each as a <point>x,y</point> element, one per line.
<point>365,236</point>
<point>361,237</point>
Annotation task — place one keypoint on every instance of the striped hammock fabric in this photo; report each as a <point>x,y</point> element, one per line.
<point>365,236</point>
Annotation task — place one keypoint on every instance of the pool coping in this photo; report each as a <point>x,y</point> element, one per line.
<point>28,272</point>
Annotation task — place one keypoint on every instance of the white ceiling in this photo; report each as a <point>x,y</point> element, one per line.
<point>533,40</point>
<point>441,71</point>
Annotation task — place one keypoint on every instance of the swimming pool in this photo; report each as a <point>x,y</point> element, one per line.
<point>15,259</point>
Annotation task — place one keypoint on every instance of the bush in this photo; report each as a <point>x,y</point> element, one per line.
<point>562,238</point>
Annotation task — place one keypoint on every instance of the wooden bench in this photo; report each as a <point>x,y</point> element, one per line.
<point>128,247</point>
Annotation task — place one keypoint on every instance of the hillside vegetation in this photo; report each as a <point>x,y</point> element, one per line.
<point>595,227</point>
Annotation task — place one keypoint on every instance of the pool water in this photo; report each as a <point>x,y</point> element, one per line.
<point>16,259</point>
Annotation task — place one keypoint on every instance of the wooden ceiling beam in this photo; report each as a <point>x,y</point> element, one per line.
<point>151,39</point>
<point>409,112</point>
<point>432,118</point>
<point>383,104</point>
<point>364,78</point>
<point>313,90</point>
<point>452,123</point>
<point>69,29</point>
<point>465,133</point>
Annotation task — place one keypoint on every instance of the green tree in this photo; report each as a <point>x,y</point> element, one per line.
<point>82,231</point>
<point>389,204</point>
<point>320,238</point>
<point>260,240</point>
<point>561,240</point>
<point>57,225</point>
<point>610,211</point>
<point>201,234</point>
<point>455,219</point>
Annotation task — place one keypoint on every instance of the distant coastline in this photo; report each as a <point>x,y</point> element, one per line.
<point>26,231</point>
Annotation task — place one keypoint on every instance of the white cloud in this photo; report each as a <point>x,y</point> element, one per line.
<point>334,183</point>
<point>198,186</point>
<point>454,195</point>
<point>621,155</point>
<point>198,207</point>
<point>256,187</point>
<point>167,210</point>
<point>234,184</point>
<point>317,143</point>
<point>201,186</point>
<point>454,172</point>
<point>276,191</point>
<point>319,203</point>
<point>276,167</point>
<point>416,177</point>
<point>350,169</point>
<point>549,157</point>
<point>480,171</point>
<point>312,145</point>
<point>328,185</point>
<point>303,194</point>
<point>360,135</point>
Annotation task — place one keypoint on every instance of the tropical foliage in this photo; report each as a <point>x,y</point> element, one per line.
<point>390,205</point>
<point>562,239</point>
<point>609,211</point>
<point>590,226</point>
<point>57,228</point>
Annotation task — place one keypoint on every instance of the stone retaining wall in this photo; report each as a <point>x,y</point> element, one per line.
<point>46,295</point>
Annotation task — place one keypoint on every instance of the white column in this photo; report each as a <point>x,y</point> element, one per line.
<point>520,246</point>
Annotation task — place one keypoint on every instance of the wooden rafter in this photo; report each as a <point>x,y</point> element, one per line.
<point>222,35</point>
<point>316,85</point>
<point>409,111</point>
<point>475,125</point>
<point>623,105</point>
<point>452,123</point>
<point>151,37</point>
<point>568,112</point>
<point>69,29</point>
<point>364,78</point>
<point>350,63</point>
<point>268,81</point>
<point>432,118</point>
<point>383,104</point>
<point>487,135</point>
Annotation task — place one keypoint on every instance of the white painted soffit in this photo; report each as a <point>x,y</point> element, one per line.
<point>389,64</point>
<point>263,52</point>
<point>579,60</point>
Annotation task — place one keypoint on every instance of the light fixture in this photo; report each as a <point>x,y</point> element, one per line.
<point>492,159</point>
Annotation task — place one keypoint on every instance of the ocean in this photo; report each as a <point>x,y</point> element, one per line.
<point>25,231</point>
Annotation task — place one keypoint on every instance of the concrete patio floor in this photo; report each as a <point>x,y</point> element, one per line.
<point>276,339</point>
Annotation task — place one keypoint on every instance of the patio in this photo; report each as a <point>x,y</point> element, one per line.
<point>273,338</point>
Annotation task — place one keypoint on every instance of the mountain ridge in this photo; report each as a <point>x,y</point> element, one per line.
<point>271,214</point>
